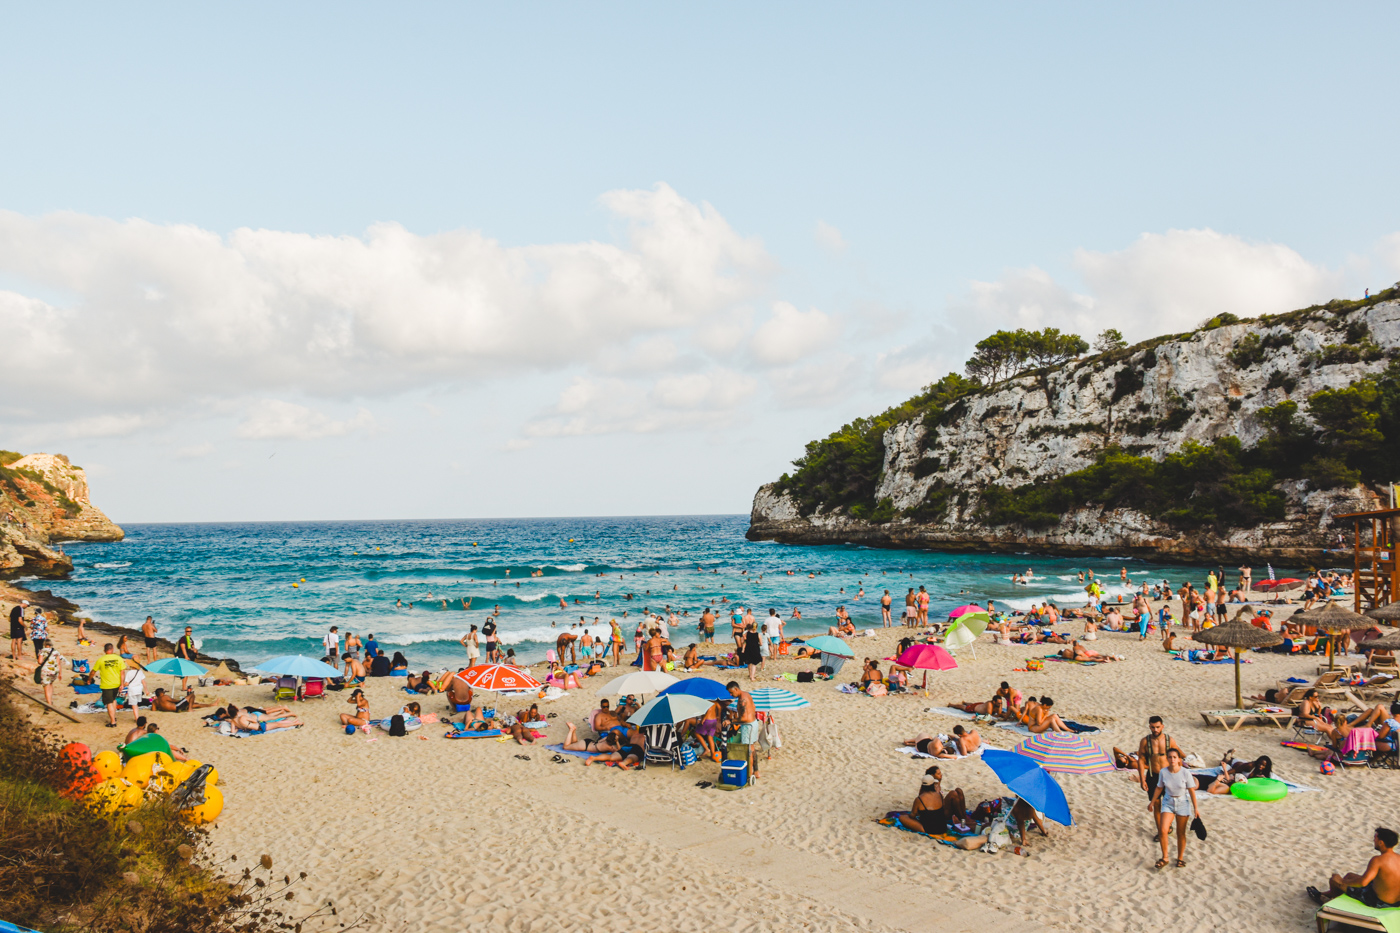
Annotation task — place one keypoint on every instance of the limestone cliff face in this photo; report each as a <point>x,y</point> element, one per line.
<point>45,499</point>
<point>1151,403</point>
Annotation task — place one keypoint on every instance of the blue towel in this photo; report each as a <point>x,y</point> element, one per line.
<point>560,749</point>
<point>87,688</point>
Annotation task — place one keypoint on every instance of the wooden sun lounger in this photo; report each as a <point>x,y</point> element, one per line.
<point>1232,719</point>
<point>1328,914</point>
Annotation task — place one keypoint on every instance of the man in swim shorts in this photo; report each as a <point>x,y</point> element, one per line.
<point>1152,758</point>
<point>1379,885</point>
<point>108,669</point>
<point>565,643</point>
<point>746,718</point>
<point>148,631</point>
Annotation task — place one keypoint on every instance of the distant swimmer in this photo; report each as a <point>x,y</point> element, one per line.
<point>398,604</point>
<point>444,604</point>
<point>562,604</point>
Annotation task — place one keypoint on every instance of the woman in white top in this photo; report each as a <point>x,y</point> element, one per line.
<point>1176,789</point>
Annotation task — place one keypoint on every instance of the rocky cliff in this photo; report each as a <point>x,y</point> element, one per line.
<point>44,499</point>
<point>977,474</point>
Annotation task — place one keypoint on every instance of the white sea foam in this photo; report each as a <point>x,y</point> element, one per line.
<point>116,566</point>
<point>1059,599</point>
<point>571,568</point>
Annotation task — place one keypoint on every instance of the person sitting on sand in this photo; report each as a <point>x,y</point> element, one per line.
<point>422,684</point>
<point>692,660</point>
<point>399,663</point>
<point>530,715</point>
<point>871,676</point>
<point>933,809</point>
<point>602,719</point>
<point>1378,885</point>
<point>459,693</point>
<point>137,732</point>
<point>631,748</point>
<point>842,627</point>
<point>1043,719</point>
<point>162,702</point>
<point>354,670</point>
<point>361,715</point>
<point>1010,697</point>
<point>604,745</point>
<point>967,739</point>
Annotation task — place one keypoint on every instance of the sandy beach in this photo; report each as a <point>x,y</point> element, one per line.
<point>420,832</point>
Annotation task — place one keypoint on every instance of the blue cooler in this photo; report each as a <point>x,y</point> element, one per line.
<point>734,774</point>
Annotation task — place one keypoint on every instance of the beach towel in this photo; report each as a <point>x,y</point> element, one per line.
<point>561,750</point>
<point>87,708</point>
<point>86,688</point>
<point>1360,739</point>
<point>915,753</point>
<point>1388,917</point>
<point>1215,773</point>
<point>948,839</point>
<point>1076,727</point>
<point>479,734</point>
<point>950,711</point>
<point>227,730</point>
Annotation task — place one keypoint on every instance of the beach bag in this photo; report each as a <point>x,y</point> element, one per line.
<point>825,670</point>
<point>39,669</point>
<point>396,726</point>
<point>997,836</point>
<point>82,666</point>
<point>782,648</point>
<point>876,690</point>
<point>805,677</point>
<point>1035,664</point>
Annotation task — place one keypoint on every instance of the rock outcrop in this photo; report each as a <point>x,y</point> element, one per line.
<point>45,499</point>
<point>1149,401</point>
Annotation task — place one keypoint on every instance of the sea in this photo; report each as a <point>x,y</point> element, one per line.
<point>252,591</point>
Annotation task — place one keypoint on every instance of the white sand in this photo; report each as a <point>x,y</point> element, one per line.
<point>423,833</point>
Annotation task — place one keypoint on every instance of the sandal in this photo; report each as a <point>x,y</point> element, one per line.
<point>704,784</point>
<point>1181,863</point>
<point>1161,863</point>
<point>1316,895</point>
<point>523,757</point>
<point>558,758</point>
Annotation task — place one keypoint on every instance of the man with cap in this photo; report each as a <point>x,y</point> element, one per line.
<point>17,630</point>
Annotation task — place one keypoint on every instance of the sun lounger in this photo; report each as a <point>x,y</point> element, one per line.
<point>1232,719</point>
<point>1352,912</point>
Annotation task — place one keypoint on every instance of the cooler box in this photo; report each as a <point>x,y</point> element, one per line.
<point>734,774</point>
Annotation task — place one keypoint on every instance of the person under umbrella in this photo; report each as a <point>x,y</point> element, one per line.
<point>1334,620</point>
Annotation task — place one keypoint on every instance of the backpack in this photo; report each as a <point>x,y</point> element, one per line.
<point>39,668</point>
<point>396,725</point>
<point>805,677</point>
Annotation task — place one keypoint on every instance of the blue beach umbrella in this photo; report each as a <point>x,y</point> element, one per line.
<point>1032,783</point>
<point>669,709</point>
<point>830,644</point>
<point>175,667</point>
<point>702,687</point>
<point>296,665</point>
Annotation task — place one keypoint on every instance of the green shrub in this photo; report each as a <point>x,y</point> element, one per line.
<point>1248,352</point>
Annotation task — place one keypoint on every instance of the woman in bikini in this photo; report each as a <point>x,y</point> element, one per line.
<point>933,809</point>
<point>929,745</point>
<point>604,745</point>
<point>361,715</point>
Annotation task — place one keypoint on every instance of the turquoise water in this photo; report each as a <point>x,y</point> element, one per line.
<point>234,582</point>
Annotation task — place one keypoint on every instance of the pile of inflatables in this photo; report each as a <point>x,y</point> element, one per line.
<point>110,785</point>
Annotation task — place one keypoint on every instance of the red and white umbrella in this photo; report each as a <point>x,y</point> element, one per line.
<point>498,678</point>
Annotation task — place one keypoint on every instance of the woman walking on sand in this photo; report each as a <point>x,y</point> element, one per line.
<point>1176,789</point>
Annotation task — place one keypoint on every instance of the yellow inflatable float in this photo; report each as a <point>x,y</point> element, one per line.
<point>107,764</point>
<point>209,810</point>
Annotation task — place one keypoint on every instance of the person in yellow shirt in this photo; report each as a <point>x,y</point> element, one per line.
<point>108,669</point>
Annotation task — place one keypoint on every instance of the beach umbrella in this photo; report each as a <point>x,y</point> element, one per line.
<point>1029,781</point>
<point>498,678</point>
<point>1334,620</point>
<point>768,699</point>
<point>965,630</point>
<point>1388,613</point>
<point>638,682</point>
<point>830,644</point>
<point>961,611</point>
<point>1276,584</point>
<point>671,709</point>
<point>1066,752</point>
<point>296,665</point>
<point>1386,642</point>
<point>1238,634</point>
<point>176,667</point>
<point>926,658</point>
<point>702,687</point>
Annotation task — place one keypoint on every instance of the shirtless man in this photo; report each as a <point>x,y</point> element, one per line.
<point>247,722</point>
<point>148,631</point>
<point>1077,652</point>
<point>565,643</point>
<point>354,670</point>
<point>1379,885</point>
<point>746,717</point>
<point>911,611</point>
<point>968,740</point>
<point>162,702</point>
<point>1152,758</point>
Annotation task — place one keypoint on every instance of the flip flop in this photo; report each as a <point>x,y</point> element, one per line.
<point>558,758</point>
<point>523,757</point>
<point>1316,895</point>
<point>704,784</point>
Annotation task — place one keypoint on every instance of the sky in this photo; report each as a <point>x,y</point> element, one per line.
<point>353,261</point>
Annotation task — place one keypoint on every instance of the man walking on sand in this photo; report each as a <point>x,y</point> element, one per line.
<point>108,669</point>
<point>1152,758</point>
<point>148,631</point>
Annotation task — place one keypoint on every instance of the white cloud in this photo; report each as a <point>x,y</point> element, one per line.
<point>829,238</point>
<point>618,406</point>
<point>817,383</point>
<point>162,313</point>
<point>194,452</point>
<point>274,418</point>
<point>789,334</point>
<point>1171,282</point>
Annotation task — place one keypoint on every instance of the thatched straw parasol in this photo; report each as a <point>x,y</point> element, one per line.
<point>1237,634</point>
<point>1334,620</point>
<point>1387,642</point>
<point>1389,613</point>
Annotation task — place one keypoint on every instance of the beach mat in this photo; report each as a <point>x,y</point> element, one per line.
<point>1076,727</point>
<point>1215,772</point>
<point>915,753</point>
<point>561,750</point>
<point>946,838</point>
<point>479,734</point>
<point>87,688</point>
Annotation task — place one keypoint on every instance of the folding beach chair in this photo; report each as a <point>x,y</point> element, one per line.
<point>314,688</point>
<point>286,689</point>
<point>662,745</point>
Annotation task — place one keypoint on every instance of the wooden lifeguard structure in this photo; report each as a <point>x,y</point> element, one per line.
<point>1375,573</point>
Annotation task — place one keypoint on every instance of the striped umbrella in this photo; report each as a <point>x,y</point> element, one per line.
<point>769,699</point>
<point>670,709</point>
<point>497,678</point>
<point>1065,752</point>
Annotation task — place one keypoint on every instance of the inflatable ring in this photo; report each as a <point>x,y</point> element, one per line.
<point>410,723</point>
<point>1259,789</point>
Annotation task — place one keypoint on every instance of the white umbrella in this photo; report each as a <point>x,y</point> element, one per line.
<point>639,682</point>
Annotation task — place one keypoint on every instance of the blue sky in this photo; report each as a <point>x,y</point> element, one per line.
<point>828,205</point>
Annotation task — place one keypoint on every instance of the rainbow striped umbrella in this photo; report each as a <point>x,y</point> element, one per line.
<point>1065,752</point>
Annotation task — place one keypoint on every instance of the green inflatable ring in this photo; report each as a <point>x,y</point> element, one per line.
<point>146,743</point>
<point>1259,789</point>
